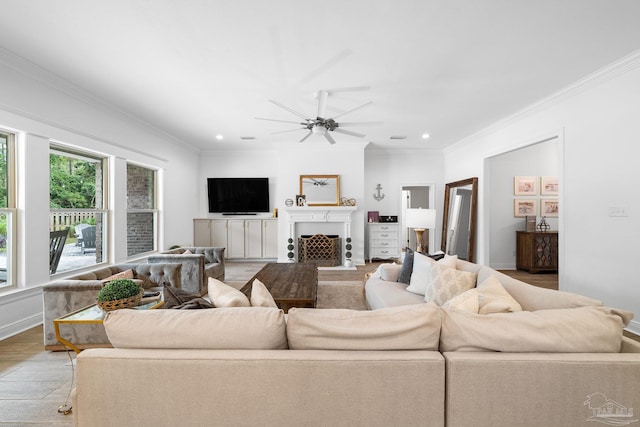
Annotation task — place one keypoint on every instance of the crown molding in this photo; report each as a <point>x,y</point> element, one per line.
<point>35,72</point>
<point>609,72</point>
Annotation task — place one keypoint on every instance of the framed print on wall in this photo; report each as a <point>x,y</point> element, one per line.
<point>549,207</point>
<point>525,207</point>
<point>549,185</point>
<point>525,185</point>
<point>321,190</point>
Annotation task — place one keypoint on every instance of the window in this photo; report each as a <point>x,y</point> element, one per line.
<point>77,200</point>
<point>141,210</point>
<point>7,210</point>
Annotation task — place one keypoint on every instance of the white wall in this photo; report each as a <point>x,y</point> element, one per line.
<point>534,160</point>
<point>597,126</point>
<point>41,108</point>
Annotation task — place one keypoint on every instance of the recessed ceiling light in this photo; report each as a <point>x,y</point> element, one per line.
<point>245,138</point>
<point>425,136</point>
<point>219,137</point>
<point>398,137</point>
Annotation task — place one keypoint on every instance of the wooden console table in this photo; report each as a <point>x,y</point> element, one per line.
<point>537,251</point>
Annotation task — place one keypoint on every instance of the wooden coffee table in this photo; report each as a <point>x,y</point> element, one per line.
<point>291,284</point>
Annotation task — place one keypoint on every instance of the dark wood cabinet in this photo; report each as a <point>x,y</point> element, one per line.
<point>537,251</point>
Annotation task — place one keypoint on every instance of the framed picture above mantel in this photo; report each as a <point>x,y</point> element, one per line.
<point>320,190</point>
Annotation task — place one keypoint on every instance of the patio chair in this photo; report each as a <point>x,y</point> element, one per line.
<point>78,233</point>
<point>88,238</point>
<point>56,246</point>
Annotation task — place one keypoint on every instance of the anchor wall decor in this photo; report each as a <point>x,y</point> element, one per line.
<point>378,196</point>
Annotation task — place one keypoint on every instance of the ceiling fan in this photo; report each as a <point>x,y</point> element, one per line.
<point>323,125</point>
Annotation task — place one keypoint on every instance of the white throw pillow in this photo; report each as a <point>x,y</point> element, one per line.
<point>223,295</point>
<point>421,276</point>
<point>466,301</point>
<point>493,298</point>
<point>390,272</point>
<point>447,282</point>
<point>260,295</point>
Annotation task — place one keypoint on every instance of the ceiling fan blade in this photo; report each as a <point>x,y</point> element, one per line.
<point>347,124</point>
<point>348,89</point>
<point>291,110</point>
<point>348,132</point>
<point>329,138</point>
<point>285,131</point>
<point>322,103</point>
<point>281,121</point>
<point>306,136</point>
<point>353,109</point>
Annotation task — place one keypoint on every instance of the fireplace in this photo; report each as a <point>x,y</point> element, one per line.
<point>324,250</point>
<point>309,221</point>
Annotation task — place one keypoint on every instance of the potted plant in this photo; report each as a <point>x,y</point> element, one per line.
<point>119,293</point>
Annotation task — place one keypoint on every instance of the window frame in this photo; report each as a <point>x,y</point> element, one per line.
<point>11,211</point>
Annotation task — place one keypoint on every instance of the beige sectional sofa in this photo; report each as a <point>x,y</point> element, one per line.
<point>410,364</point>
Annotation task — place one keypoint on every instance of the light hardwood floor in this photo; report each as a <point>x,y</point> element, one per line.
<point>35,382</point>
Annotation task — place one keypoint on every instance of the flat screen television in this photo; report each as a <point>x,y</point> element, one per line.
<point>238,195</point>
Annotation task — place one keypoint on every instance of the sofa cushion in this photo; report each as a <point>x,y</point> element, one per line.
<point>413,327</point>
<point>447,282</point>
<point>223,295</point>
<point>421,276</point>
<point>493,298</point>
<point>380,294</point>
<point>260,295</point>
<point>223,328</point>
<point>571,330</point>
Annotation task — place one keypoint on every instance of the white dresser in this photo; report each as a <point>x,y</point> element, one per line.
<point>383,240</point>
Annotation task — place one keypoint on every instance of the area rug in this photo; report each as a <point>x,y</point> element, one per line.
<point>341,294</point>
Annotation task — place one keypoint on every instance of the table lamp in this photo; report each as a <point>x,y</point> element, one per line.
<point>420,220</point>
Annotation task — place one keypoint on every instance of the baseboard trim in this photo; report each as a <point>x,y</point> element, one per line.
<point>20,326</point>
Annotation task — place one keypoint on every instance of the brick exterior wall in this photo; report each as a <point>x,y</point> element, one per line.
<point>140,195</point>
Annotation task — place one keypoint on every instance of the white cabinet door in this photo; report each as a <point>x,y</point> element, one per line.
<point>201,232</point>
<point>219,234</point>
<point>270,238</point>
<point>253,238</point>
<point>235,238</point>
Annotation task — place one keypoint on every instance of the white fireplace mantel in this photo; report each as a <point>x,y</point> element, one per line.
<point>311,214</point>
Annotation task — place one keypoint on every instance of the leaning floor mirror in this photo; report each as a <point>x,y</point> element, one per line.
<point>459,218</point>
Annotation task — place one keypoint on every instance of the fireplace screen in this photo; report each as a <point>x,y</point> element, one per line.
<point>320,248</point>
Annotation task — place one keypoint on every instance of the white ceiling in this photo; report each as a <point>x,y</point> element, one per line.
<point>197,68</point>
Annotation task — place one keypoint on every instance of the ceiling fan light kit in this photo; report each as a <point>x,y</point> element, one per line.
<point>322,125</point>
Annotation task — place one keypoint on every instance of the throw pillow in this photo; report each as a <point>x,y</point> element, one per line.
<point>421,276</point>
<point>493,298</point>
<point>223,295</point>
<point>177,298</point>
<point>260,295</point>
<point>466,301</point>
<point>187,252</point>
<point>390,272</point>
<point>126,274</point>
<point>447,282</point>
<point>408,327</point>
<point>407,267</point>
